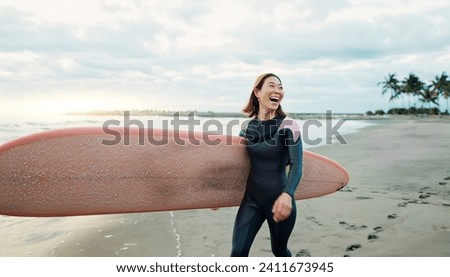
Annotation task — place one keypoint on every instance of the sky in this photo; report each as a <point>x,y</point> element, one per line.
<point>64,56</point>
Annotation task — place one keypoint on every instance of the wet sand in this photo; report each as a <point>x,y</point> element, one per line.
<point>397,204</point>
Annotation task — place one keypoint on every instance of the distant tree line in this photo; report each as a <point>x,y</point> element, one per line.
<point>412,88</point>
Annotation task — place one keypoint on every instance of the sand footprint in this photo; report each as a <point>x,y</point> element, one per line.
<point>363,197</point>
<point>347,189</point>
<point>352,226</point>
<point>314,220</point>
<point>392,216</point>
<point>423,193</point>
<point>353,247</point>
<point>303,253</point>
<point>378,229</point>
<point>373,236</point>
<point>444,183</point>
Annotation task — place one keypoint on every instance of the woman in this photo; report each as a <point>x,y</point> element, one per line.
<point>272,141</point>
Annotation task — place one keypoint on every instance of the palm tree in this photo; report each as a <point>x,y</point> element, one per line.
<point>428,96</point>
<point>390,84</point>
<point>441,86</point>
<point>411,85</point>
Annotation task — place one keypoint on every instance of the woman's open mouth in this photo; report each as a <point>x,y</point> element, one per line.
<point>274,99</point>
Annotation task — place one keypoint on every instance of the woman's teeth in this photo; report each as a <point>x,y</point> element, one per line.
<point>274,99</point>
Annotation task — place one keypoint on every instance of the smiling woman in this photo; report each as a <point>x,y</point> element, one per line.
<point>273,142</point>
<point>266,98</point>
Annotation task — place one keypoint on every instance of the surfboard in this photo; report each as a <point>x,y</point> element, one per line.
<point>90,170</point>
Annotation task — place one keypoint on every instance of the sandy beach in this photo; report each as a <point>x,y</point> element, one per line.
<point>397,204</point>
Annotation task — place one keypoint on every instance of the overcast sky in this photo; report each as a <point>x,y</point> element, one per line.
<point>59,56</point>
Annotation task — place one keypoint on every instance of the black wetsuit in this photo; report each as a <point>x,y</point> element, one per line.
<point>270,150</point>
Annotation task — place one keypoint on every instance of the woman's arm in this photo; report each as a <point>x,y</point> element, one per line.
<point>283,205</point>
<point>295,151</point>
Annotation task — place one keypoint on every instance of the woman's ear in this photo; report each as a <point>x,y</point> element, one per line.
<point>256,92</point>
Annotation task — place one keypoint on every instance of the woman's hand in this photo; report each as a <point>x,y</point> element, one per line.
<point>282,207</point>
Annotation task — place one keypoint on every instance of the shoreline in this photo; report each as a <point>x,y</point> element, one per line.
<point>328,114</point>
<point>396,204</point>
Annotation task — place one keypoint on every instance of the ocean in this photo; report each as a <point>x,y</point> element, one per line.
<point>315,132</point>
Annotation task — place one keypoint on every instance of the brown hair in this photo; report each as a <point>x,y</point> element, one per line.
<point>252,107</point>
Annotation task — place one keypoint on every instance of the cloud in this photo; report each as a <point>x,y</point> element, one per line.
<point>205,54</point>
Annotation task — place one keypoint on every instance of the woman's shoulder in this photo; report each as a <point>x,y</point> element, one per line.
<point>289,123</point>
<point>292,125</point>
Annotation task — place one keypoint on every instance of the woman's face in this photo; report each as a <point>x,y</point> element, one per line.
<point>270,95</point>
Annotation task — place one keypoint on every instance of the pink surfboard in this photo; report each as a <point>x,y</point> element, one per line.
<point>86,171</point>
